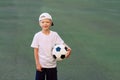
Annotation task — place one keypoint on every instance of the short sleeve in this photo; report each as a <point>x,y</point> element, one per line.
<point>58,39</point>
<point>35,43</point>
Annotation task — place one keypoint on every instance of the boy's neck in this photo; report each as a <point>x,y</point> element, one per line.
<point>46,32</point>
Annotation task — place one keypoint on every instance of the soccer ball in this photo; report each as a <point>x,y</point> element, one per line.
<point>59,52</point>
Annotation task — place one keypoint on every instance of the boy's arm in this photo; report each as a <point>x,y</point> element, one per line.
<point>68,50</point>
<point>38,66</point>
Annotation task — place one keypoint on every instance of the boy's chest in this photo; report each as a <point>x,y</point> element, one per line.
<point>46,40</point>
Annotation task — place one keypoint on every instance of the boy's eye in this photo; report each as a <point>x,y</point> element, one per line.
<point>47,22</point>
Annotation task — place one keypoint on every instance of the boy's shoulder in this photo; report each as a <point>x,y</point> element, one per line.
<point>38,33</point>
<point>54,32</point>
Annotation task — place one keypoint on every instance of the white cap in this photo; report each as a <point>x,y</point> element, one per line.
<point>45,16</point>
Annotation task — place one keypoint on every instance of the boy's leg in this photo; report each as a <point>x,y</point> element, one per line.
<point>51,74</point>
<point>40,75</point>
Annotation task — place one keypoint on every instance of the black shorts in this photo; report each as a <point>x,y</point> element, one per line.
<point>46,74</point>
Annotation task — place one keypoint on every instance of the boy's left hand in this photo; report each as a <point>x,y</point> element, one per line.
<point>68,52</point>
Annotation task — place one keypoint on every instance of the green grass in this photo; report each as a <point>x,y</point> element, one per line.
<point>90,28</point>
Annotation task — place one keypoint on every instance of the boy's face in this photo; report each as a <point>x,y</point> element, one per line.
<point>45,24</point>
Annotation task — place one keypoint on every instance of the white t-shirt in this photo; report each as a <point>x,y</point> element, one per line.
<point>45,43</point>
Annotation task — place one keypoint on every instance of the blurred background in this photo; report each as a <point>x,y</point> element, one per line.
<point>90,27</point>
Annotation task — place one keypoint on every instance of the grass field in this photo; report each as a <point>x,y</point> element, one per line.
<point>90,27</point>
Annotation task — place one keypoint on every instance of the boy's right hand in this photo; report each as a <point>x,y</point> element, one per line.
<point>39,67</point>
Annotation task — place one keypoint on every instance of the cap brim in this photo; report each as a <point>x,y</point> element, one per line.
<point>52,24</point>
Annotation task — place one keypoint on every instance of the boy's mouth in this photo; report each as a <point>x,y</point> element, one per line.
<point>45,26</point>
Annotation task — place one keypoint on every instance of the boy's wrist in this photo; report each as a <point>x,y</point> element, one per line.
<point>37,63</point>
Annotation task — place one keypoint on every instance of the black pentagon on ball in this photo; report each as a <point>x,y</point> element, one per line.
<point>58,49</point>
<point>62,56</point>
<point>66,48</point>
<point>54,57</point>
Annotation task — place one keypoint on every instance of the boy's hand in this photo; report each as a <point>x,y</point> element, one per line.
<point>38,67</point>
<point>68,52</point>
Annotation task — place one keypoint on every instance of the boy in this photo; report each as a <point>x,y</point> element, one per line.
<point>43,42</point>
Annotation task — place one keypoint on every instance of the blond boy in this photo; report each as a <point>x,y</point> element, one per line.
<point>43,42</point>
